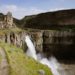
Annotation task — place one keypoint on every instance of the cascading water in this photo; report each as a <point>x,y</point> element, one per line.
<point>31,49</point>
<point>54,65</point>
<point>51,62</point>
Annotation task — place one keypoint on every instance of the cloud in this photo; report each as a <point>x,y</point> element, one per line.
<point>56,9</point>
<point>5,8</point>
<point>19,12</point>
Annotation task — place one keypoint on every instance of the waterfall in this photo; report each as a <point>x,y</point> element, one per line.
<point>52,63</point>
<point>31,49</point>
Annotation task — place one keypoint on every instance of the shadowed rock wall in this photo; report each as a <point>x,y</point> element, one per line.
<point>59,43</point>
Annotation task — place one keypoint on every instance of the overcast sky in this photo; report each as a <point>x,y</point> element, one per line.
<point>21,8</point>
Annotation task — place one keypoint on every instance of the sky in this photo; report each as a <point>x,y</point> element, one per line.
<point>21,8</point>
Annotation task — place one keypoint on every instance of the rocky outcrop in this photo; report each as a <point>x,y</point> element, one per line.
<point>12,38</point>
<point>6,21</point>
<point>37,39</point>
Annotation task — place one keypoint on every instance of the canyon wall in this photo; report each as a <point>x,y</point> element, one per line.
<point>60,43</point>
<point>18,39</point>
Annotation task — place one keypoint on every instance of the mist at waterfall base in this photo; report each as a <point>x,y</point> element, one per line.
<point>52,63</point>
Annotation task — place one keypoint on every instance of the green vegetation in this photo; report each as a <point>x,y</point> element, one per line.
<point>14,30</point>
<point>22,22</point>
<point>20,64</point>
<point>57,20</point>
<point>63,19</point>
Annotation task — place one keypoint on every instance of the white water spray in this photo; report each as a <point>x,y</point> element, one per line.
<point>31,49</point>
<point>51,63</point>
<point>54,65</point>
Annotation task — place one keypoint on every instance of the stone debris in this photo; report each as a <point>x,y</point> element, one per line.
<point>41,72</point>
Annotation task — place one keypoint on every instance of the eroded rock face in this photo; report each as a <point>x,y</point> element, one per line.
<point>53,42</point>
<point>59,43</point>
<point>37,39</point>
<point>13,38</point>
